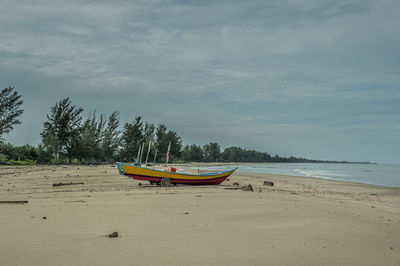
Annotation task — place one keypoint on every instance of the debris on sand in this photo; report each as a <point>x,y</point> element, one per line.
<point>44,218</point>
<point>67,184</point>
<point>13,201</point>
<point>248,188</point>
<point>74,201</point>
<point>232,188</point>
<point>236,184</point>
<point>244,188</point>
<point>113,235</point>
<point>268,183</point>
<point>186,213</point>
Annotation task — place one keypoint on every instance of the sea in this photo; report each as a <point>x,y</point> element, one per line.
<point>375,174</point>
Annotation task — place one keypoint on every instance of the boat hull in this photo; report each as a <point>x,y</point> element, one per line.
<point>152,175</point>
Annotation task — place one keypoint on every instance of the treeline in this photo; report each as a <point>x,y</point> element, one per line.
<point>69,137</point>
<point>212,153</point>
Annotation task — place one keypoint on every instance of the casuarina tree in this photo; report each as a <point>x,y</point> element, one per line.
<point>62,129</point>
<point>10,110</point>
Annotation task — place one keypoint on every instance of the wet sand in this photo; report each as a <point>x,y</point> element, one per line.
<point>298,221</point>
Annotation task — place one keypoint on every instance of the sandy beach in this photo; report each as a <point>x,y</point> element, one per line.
<point>298,221</point>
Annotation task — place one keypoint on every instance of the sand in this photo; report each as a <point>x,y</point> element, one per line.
<point>298,221</point>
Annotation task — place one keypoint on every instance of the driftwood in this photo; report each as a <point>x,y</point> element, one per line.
<point>67,184</point>
<point>74,201</point>
<point>13,201</point>
<point>268,183</point>
<point>244,188</point>
<point>233,188</point>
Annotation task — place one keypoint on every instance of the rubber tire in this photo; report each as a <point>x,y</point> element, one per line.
<point>166,182</point>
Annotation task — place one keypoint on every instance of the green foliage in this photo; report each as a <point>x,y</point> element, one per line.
<point>137,133</point>
<point>98,139</point>
<point>212,152</point>
<point>163,138</point>
<point>132,138</point>
<point>10,110</point>
<point>110,141</point>
<point>66,139</point>
<point>237,154</point>
<point>89,148</point>
<point>62,130</point>
<point>18,155</point>
<point>192,153</point>
<point>26,162</point>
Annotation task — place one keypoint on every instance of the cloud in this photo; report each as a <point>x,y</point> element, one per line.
<point>213,70</point>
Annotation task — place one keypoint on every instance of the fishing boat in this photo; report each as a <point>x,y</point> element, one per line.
<point>167,178</point>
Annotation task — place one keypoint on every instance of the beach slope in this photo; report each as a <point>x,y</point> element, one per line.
<point>298,221</point>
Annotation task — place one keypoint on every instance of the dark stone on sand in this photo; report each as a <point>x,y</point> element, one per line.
<point>268,183</point>
<point>236,184</point>
<point>113,235</point>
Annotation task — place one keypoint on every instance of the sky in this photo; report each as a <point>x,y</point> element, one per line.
<point>309,78</point>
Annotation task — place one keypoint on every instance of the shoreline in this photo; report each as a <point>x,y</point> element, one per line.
<point>301,176</point>
<point>298,221</point>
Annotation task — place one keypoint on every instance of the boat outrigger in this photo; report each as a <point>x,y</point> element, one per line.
<point>166,178</point>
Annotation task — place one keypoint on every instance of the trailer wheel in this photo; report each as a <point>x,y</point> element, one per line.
<point>166,182</point>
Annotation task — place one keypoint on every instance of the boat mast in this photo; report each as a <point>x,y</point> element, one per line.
<point>169,147</point>
<point>148,152</point>
<point>154,163</point>
<point>141,154</point>
<point>138,155</point>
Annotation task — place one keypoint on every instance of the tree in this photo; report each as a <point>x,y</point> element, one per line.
<point>10,109</point>
<point>233,154</point>
<point>90,138</point>
<point>163,138</point>
<point>132,137</point>
<point>192,153</point>
<point>61,132</point>
<point>110,142</point>
<point>212,152</point>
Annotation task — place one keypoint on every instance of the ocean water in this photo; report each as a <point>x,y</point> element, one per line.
<point>376,174</point>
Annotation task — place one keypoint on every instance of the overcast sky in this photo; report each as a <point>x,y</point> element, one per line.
<point>314,78</point>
